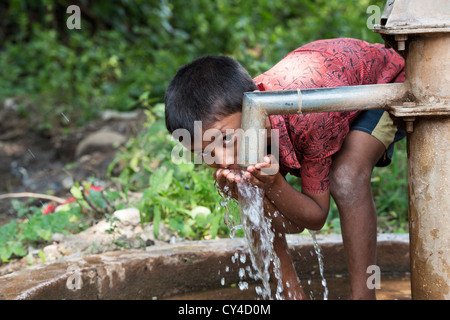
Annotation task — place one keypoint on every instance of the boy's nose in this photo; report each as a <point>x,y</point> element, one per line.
<point>219,165</point>
<point>221,158</point>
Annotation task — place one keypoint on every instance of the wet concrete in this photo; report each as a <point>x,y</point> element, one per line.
<point>392,287</point>
<point>174,269</point>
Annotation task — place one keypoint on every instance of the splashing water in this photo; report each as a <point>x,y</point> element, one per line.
<point>260,237</point>
<point>228,218</point>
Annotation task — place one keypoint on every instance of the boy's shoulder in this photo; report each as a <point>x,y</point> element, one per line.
<point>332,63</point>
<point>308,129</point>
<point>310,136</point>
<point>333,46</point>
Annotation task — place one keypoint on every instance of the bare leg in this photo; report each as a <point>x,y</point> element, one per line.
<point>351,189</point>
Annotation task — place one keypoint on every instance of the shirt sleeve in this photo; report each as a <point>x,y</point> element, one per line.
<point>315,175</point>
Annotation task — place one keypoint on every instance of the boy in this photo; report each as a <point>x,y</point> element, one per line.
<point>311,146</point>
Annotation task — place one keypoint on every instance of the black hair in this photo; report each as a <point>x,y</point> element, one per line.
<point>204,90</point>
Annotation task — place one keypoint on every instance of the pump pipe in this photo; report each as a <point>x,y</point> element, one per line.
<point>257,106</point>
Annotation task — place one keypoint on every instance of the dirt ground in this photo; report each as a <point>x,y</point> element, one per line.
<point>51,161</point>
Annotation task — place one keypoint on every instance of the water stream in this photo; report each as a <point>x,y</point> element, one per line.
<point>260,237</point>
<point>320,261</point>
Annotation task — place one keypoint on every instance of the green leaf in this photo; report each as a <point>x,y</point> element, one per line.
<point>5,253</point>
<point>170,204</point>
<point>45,234</point>
<point>16,248</point>
<point>41,255</point>
<point>76,192</point>
<point>214,229</point>
<point>20,208</point>
<point>112,195</point>
<point>8,231</point>
<point>156,220</point>
<point>161,180</point>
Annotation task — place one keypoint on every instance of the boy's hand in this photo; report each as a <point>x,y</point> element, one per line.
<point>265,175</point>
<point>226,180</point>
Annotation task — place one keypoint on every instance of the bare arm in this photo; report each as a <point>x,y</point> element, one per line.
<point>297,210</point>
<point>304,209</point>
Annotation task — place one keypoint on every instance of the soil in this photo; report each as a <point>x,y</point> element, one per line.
<point>45,161</point>
<point>48,161</point>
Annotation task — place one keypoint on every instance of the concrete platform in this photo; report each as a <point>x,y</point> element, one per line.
<point>173,269</point>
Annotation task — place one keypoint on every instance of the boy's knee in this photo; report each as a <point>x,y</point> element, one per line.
<point>348,181</point>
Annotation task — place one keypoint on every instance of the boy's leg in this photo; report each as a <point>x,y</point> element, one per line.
<point>351,190</point>
<point>369,143</point>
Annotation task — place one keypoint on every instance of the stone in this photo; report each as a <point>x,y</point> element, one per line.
<point>166,270</point>
<point>99,140</point>
<point>117,115</point>
<point>129,216</point>
<point>58,237</point>
<point>51,252</point>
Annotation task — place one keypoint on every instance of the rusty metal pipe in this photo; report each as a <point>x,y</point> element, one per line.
<point>429,207</point>
<point>428,73</point>
<point>257,106</point>
<point>422,31</point>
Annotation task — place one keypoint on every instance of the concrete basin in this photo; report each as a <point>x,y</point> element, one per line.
<point>163,271</point>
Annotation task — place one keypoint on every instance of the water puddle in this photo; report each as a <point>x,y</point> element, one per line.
<point>393,287</point>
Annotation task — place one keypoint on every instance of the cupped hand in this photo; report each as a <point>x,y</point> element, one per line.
<point>227,180</point>
<point>264,175</point>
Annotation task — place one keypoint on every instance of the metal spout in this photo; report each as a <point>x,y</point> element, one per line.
<point>257,106</point>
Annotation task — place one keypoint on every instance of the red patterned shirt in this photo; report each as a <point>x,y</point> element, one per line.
<point>308,141</point>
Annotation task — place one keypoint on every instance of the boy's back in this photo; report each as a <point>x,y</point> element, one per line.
<point>308,141</point>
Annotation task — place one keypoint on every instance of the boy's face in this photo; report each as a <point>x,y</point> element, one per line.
<point>219,147</point>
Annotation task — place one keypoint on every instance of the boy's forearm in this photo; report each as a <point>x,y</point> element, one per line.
<point>279,222</point>
<point>296,206</point>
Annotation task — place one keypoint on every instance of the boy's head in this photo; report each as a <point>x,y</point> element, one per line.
<point>207,89</point>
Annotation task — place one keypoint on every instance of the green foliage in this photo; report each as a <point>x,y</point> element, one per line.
<point>37,228</point>
<point>126,48</point>
<point>34,228</point>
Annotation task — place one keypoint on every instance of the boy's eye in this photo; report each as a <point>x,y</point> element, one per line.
<point>228,138</point>
<point>202,154</point>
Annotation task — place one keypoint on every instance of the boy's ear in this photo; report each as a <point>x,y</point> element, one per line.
<point>181,151</point>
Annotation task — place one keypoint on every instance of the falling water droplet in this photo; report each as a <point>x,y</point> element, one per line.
<point>320,260</point>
